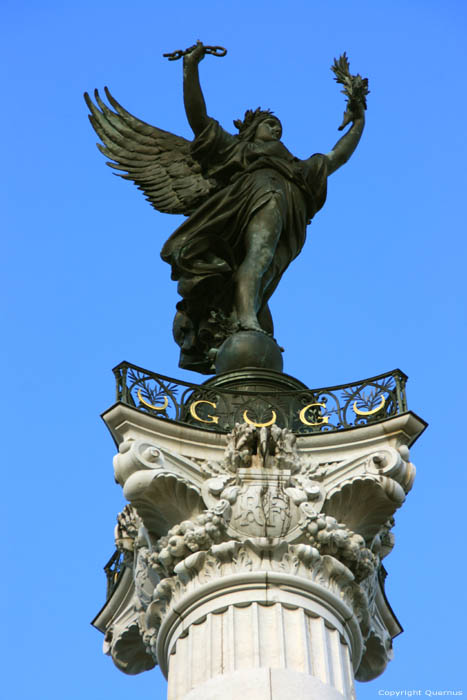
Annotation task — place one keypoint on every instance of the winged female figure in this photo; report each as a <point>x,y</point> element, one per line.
<point>247,198</point>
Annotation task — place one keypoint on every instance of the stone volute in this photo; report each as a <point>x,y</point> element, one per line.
<point>252,562</point>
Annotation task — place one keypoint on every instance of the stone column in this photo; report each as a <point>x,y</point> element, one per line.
<point>251,564</point>
<point>258,634</point>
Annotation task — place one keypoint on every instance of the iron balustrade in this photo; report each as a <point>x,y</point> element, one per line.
<point>304,410</point>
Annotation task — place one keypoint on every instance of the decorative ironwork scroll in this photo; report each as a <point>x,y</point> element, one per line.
<point>303,411</point>
<point>113,571</point>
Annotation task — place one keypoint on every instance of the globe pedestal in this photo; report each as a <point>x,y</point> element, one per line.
<point>249,349</point>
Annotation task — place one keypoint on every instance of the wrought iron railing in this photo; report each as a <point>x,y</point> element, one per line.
<point>303,411</point>
<point>113,571</point>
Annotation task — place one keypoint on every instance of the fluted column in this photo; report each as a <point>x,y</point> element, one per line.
<point>250,624</point>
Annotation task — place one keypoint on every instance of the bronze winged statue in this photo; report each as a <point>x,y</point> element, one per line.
<point>247,198</point>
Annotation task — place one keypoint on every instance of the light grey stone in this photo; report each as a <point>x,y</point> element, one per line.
<point>255,555</point>
<point>263,684</point>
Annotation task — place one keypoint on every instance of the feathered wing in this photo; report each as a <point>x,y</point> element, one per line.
<point>159,163</point>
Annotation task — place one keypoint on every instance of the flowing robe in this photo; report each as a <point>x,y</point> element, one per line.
<point>207,249</point>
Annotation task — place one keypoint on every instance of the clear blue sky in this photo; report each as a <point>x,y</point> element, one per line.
<point>380,284</point>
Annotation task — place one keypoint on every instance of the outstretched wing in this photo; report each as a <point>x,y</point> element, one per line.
<point>158,162</point>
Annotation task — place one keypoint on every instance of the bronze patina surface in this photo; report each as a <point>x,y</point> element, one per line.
<point>248,201</point>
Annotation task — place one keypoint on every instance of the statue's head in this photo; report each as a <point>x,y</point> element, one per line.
<point>259,124</point>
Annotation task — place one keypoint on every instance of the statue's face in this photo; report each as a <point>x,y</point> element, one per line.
<point>268,130</point>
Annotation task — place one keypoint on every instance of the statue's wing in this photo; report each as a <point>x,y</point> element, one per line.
<point>158,162</point>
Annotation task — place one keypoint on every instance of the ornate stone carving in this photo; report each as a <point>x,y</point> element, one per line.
<point>125,645</point>
<point>333,538</point>
<point>271,447</point>
<point>126,530</point>
<point>161,497</point>
<point>229,558</point>
<point>267,509</point>
<point>123,638</point>
<point>261,483</point>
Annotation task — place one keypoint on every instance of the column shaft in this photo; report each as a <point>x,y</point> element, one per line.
<point>238,641</point>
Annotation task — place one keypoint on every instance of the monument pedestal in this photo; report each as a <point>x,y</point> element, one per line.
<point>249,563</point>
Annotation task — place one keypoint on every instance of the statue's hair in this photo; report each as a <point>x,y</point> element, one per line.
<point>252,118</point>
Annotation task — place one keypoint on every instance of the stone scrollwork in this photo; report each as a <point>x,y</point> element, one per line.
<point>161,496</point>
<point>125,644</point>
<point>135,456</point>
<point>268,508</point>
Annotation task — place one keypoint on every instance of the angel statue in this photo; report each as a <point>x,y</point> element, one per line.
<point>247,198</point>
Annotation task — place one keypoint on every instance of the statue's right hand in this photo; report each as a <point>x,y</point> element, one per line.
<point>194,54</point>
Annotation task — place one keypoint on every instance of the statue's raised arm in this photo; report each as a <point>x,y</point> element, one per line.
<point>356,90</point>
<point>195,106</point>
